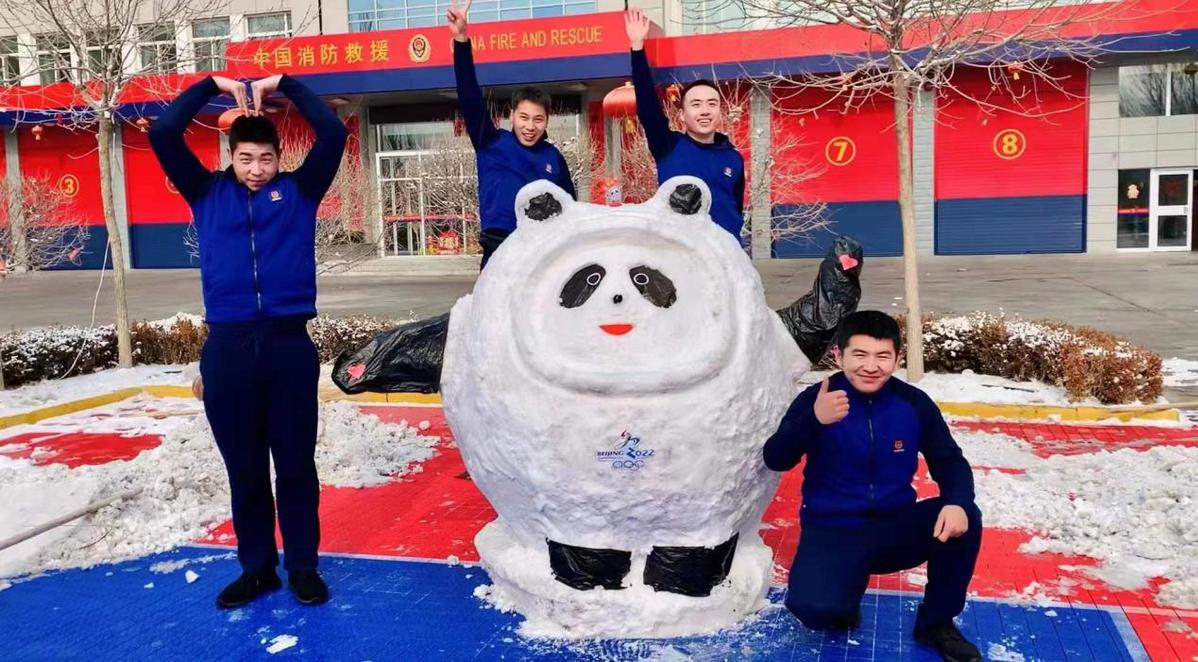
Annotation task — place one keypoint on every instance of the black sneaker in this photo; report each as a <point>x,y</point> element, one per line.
<point>848,623</point>
<point>308,587</point>
<point>947,640</point>
<point>246,588</point>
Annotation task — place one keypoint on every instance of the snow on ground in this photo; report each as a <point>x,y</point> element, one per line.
<point>972,387</point>
<point>1180,373</point>
<point>1133,510</point>
<point>56,391</point>
<point>184,489</point>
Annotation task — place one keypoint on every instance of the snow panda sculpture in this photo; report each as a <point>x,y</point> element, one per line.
<point>610,383</point>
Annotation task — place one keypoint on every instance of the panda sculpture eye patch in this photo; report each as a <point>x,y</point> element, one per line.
<point>582,285</point>
<point>654,286</point>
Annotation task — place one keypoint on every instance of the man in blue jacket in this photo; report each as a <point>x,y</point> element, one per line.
<point>256,228</point>
<point>507,160</point>
<point>862,432</point>
<point>701,151</point>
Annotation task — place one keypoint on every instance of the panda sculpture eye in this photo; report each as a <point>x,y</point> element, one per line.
<point>582,285</point>
<point>654,286</point>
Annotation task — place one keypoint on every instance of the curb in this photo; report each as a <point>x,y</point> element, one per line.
<point>1053,413</point>
<point>958,409</point>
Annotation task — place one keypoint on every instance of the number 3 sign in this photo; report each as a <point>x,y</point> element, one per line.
<point>69,185</point>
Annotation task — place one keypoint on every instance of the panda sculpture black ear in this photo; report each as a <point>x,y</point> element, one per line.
<point>541,201</point>
<point>686,196</point>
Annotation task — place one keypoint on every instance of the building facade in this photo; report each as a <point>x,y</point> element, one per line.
<point>1106,163</point>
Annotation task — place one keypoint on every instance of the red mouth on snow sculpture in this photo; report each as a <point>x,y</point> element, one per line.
<point>616,329</point>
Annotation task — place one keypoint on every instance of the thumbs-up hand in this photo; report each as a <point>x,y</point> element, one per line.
<point>830,406</point>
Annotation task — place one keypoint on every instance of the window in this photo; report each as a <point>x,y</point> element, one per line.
<point>1134,204</point>
<point>103,53</point>
<point>710,16</point>
<point>53,58</point>
<point>157,49</point>
<point>1158,90</point>
<point>367,15</point>
<point>10,61</point>
<point>259,26</point>
<point>209,38</point>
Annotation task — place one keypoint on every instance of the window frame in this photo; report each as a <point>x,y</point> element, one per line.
<point>285,33</point>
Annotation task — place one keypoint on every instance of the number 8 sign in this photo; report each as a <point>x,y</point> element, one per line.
<point>1009,144</point>
<point>840,151</point>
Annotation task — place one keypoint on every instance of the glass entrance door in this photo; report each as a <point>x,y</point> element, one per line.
<point>1171,214</point>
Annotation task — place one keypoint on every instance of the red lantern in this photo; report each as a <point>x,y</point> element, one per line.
<point>621,103</point>
<point>226,118</point>
<point>38,130</point>
<point>142,124</point>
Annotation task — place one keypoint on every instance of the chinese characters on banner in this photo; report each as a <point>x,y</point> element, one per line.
<point>492,42</point>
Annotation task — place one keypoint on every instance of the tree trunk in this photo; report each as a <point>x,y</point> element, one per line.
<point>902,132</point>
<point>104,136</point>
<point>16,220</point>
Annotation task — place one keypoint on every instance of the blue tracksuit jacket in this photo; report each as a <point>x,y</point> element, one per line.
<point>257,248</point>
<point>504,165</point>
<point>863,465</point>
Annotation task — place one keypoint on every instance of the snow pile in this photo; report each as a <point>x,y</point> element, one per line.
<point>54,391</point>
<point>359,450</point>
<point>184,490</point>
<point>1135,511</point>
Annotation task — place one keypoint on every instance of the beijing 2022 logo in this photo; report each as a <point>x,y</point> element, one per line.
<point>627,455</point>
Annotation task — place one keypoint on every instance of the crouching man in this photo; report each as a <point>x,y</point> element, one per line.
<point>862,432</point>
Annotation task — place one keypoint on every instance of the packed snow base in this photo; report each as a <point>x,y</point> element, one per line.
<point>1134,511</point>
<point>522,582</point>
<point>585,421</point>
<point>184,489</point>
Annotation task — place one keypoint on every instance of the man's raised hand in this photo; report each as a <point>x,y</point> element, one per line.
<point>263,88</point>
<point>636,24</point>
<point>830,406</point>
<point>235,89</point>
<point>457,15</point>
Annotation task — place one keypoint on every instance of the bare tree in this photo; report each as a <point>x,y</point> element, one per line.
<point>909,45</point>
<point>101,48</point>
<point>44,231</point>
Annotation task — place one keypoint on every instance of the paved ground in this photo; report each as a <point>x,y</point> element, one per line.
<point>401,563</point>
<point>1151,299</point>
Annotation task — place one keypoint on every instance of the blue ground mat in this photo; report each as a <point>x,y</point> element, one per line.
<point>407,610</point>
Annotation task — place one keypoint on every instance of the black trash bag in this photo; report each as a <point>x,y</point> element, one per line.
<point>406,359</point>
<point>692,571</point>
<point>583,568</point>
<point>813,318</point>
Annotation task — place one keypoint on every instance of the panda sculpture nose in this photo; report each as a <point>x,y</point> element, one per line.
<point>618,298</point>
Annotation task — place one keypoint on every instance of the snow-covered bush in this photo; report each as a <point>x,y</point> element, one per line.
<point>1086,362</point>
<point>334,335</point>
<point>36,354</point>
<point>33,355</point>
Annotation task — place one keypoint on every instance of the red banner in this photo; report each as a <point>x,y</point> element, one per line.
<point>573,36</point>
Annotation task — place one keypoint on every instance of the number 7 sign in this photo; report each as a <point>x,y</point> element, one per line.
<point>840,151</point>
